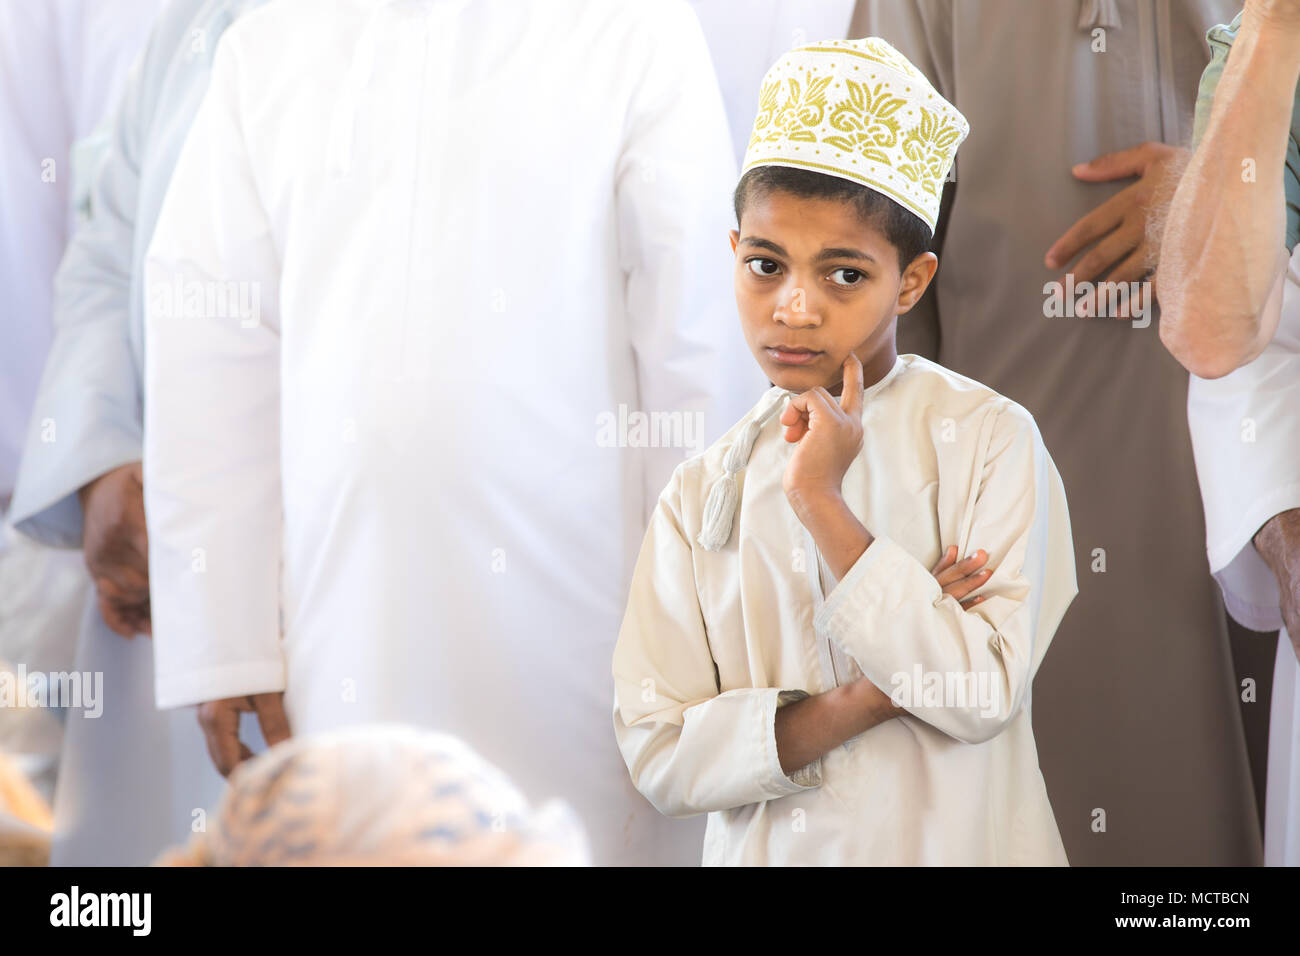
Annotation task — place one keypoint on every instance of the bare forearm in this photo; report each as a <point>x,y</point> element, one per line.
<point>814,726</point>
<point>839,535</point>
<point>1224,244</point>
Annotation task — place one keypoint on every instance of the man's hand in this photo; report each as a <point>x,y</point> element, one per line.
<point>1278,543</point>
<point>220,722</point>
<point>116,548</point>
<point>829,434</point>
<point>959,578</point>
<point>1118,226</point>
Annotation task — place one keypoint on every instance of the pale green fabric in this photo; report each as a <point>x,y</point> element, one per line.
<point>1221,39</point>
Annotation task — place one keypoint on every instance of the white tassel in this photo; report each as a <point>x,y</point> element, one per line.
<point>724,496</point>
<point>719,512</point>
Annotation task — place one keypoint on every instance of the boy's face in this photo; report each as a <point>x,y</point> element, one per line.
<point>814,283</point>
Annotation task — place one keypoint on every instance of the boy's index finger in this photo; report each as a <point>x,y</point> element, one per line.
<point>851,390</point>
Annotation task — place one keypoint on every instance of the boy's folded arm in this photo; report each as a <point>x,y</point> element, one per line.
<point>713,755</point>
<point>965,672</point>
<point>689,748</point>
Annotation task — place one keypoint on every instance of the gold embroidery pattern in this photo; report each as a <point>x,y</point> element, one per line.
<point>803,111</point>
<point>866,122</point>
<point>929,148</point>
<point>861,111</point>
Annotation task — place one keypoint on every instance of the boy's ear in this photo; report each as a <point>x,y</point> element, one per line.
<point>916,279</point>
<point>734,235</point>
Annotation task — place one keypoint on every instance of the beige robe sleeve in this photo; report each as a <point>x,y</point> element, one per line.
<point>889,613</point>
<point>689,748</point>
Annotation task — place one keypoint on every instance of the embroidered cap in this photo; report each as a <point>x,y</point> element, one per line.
<point>858,109</point>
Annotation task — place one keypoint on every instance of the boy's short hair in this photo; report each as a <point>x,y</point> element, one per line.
<point>905,230</point>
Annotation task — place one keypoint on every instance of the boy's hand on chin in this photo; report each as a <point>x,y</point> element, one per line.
<point>829,436</point>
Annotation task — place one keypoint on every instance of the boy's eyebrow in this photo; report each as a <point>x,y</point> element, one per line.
<point>824,255</point>
<point>842,253</point>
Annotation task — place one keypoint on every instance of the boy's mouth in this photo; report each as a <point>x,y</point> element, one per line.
<point>792,354</point>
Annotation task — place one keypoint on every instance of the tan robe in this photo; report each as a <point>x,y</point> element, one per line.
<point>714,642</point>
<point>1137,723</point>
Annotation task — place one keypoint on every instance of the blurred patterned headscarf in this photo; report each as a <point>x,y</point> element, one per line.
<point>386,795</point>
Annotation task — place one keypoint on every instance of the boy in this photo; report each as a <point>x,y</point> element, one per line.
<point>787,663</point>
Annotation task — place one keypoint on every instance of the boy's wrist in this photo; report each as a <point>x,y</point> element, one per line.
<point>868,703</point>
<point>816,504</point>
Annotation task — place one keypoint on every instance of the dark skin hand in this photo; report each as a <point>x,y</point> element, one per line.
<point>116,548</point>
<point>220,722</point>
<point>1278,543</point>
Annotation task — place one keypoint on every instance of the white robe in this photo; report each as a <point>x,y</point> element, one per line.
<point>747,36</point>
<point>62,65</point>
<point>130,780</point>
<point>713,642</point>
<point>1246,435</point>
<point>476,231</point>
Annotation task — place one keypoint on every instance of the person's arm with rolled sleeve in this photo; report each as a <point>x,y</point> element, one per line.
<point>1227,236</point>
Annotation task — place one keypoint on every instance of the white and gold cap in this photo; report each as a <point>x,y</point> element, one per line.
<point>858,109</point>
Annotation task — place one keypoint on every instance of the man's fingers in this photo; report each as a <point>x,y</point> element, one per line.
<point>117,622</point>
<point>1110,251</point>
<point>1134,268</point>
<point>121,582</point>
<point>1088,229</point>
<point>220,722</point>
<point>967,605</point>
<point>271,717</point>
<point>1126,162</point>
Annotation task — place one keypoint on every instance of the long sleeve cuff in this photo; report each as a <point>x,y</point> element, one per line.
<point>45,505</point>
<point>805,777</point>
<point>722,756</point>
<point>1249,587</point>
<point>219,683</point>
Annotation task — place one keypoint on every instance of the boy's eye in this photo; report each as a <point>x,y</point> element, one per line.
<point>762,267</point>
<point>849,277</point>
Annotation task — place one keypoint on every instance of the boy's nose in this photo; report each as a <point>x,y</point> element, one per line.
<point>796,311</point>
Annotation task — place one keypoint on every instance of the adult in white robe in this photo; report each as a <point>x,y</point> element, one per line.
<point>62,66</point>
<point>395,473</point>
<point>746,37</point>
<point>1246,435</point>
<point>134,780</point>
<point>714,642</point>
